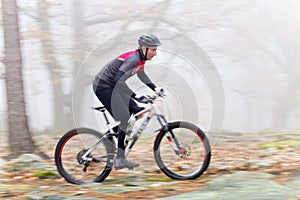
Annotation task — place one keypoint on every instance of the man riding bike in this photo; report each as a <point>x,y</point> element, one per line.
<point>111,89</point>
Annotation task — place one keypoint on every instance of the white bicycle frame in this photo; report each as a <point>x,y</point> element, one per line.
<point>151,112</point>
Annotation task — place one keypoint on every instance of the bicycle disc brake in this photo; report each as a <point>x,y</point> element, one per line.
<point>185,151</point>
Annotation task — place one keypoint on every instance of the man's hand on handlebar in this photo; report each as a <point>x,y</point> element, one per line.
<point>160,91</point>
<point>142,99</point>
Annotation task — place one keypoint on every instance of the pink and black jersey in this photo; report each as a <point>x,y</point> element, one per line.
<point>117,71</point>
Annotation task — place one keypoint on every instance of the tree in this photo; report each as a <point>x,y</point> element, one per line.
<point>62,119</point>
<point>271,36</point>
<point>20,140</point>
<point>43,29</point>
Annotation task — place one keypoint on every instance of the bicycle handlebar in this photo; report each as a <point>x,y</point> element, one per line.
<point>152,98</point>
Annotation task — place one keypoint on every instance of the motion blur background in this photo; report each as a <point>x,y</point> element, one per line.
<point>254,46</point>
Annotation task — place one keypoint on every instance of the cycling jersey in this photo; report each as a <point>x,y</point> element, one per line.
<point>117,71</point>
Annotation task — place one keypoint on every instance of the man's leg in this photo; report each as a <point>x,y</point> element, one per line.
<point>118,106</point>
<point>120,109</point>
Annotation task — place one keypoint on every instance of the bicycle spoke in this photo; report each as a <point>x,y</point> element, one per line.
<point>193,154</point>
<point>76,163</point>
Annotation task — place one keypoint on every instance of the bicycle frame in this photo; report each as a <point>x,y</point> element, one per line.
<point>151,112</point>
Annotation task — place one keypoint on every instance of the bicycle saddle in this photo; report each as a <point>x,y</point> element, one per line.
<point>100,108</point>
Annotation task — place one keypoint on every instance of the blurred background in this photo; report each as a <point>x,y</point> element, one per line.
<point>253,47</point>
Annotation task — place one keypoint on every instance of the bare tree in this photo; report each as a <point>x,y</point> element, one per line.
<point>20,140</point>
<point>269,40</point>
<point>61,119</point>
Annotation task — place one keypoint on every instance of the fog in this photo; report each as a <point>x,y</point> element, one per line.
<point>231,65</point>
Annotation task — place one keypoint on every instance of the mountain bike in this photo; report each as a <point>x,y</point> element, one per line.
<point>181,149</point>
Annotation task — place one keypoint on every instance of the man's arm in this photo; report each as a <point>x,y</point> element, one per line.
<point>120,80</point>
<point>146,80</point>
<point>123,74</point>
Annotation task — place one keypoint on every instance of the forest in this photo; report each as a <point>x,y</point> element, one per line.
<point>230,67</point>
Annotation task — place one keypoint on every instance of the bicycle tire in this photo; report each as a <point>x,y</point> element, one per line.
<point>74,143</point>
<point>182,166</point>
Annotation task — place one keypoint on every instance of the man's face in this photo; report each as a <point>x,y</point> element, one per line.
<point>151,52</point>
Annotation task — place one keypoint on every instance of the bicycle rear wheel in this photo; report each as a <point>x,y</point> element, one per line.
<point>182,151</point>
<point>70,149</point>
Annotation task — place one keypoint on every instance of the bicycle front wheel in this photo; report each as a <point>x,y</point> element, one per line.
<point>182,151</point>
<point>69,156</point>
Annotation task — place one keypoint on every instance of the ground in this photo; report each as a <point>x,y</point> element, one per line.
<point>274,153</point>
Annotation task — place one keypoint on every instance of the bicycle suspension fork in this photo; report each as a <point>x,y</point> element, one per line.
<point>169,134</point>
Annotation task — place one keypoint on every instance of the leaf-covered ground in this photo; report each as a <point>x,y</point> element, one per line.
<point>273,153</point>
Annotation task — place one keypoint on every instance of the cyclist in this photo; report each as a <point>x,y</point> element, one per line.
<point>111,89</point>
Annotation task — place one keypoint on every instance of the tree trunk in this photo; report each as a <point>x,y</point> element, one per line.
<point>78,42</point>
<point>20,140</point>
<point>62,120</point>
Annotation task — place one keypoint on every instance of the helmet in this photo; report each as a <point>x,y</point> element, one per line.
<point>149,41</point>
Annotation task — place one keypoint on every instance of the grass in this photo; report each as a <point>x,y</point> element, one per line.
<point>46,174</point>
<point>162,179</point>
<point>281,144</point>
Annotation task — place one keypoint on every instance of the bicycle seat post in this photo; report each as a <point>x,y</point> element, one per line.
<point>105,116</point>
<point>111,130</point>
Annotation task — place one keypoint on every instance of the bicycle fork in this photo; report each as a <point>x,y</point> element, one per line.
<point>169,134</point>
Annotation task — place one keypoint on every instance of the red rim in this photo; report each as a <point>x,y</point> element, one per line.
<point>65,141</point>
